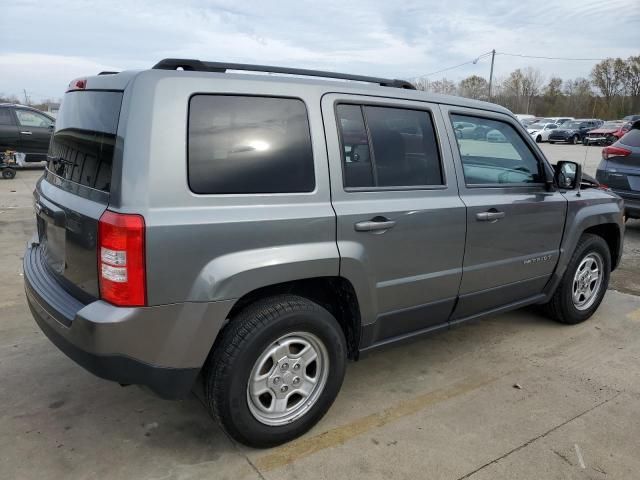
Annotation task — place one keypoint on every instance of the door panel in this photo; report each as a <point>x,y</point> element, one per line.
<point>35,133</point>
<point>408,273</point>
<point>514,225</point>
<point>9,135</point>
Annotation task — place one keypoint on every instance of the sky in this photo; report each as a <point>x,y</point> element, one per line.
<point>399,39</point>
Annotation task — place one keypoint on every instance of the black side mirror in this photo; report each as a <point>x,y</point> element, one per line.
<point>568,175</point>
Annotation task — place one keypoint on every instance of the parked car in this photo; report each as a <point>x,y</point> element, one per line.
<point>495,136</point>
<point>619,170</point>
<point>540,131</point>
<point>574,131</point>
<point>631,118</point>
<point>470,130</point>
<point>607,133</point>
<point>26,131</point>
<point>530,121</point>
<point>255,232</point>
<point>557,120</point>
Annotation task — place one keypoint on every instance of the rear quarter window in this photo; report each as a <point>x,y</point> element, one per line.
<point>249,144</point>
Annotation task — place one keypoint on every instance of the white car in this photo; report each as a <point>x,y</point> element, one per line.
<point>540,131</point>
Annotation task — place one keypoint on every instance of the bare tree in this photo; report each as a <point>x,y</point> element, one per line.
<point>421,84</point>
<point>474,87</point>
<point>531,83</point>
<point>444,86</point>
<point>608,76</point>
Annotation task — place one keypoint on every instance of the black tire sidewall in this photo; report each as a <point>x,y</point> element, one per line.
<point>234,411</point>
<point>592,244</point>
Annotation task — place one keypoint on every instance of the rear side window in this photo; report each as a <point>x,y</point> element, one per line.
<point>5,117</point>
<point>243,144</point>
<point>82,146</point>
<point>388,147</point>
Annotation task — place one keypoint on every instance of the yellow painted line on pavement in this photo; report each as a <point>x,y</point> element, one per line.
<point>304,447</point>
<point>635,315</point>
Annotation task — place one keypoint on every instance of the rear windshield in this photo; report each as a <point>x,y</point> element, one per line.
<point>631,138</point>
<point>82,146</point>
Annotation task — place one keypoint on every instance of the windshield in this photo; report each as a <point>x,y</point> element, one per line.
<point>611,125</point>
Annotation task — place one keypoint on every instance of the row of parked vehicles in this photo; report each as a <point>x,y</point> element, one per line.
<point>588,131</point>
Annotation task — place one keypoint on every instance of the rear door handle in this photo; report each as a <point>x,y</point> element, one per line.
<point>375,224</point>
<point>26,133</point>
<point>489,216</point>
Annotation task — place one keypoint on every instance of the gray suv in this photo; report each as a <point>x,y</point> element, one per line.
<point>254,232</point>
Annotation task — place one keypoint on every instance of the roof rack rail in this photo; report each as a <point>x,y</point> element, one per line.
<point>220,67</point>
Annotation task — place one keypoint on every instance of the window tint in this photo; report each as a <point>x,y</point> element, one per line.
<point>5,117</point>
<point>83,144</point>
<point>27,118</point>
<point>631,138</point>
<point>401,150</point>
<point>497,156</point>
<point>249,145</point>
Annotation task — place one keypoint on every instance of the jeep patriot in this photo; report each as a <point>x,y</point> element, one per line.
<point>255,232</point>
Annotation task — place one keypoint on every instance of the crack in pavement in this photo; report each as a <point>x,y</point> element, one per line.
<point>542,435</point>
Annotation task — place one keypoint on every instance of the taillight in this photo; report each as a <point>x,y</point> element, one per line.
<point>121,263</point>
<point>608,152</point>
<point>77,84</point>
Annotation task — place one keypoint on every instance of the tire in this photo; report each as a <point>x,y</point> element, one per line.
<point>538,139</point>
<point>611,139</point>
<point>249,339</point>
<point>562,306</point>
<point>8,173</point>
<point>574,140</point>
<point>552,143</point>
<point>585,142</point>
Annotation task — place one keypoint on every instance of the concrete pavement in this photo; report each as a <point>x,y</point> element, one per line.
<point>444,406</point>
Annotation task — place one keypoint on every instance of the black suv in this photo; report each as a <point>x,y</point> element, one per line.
<point>574,131</point>
<point>25,130</point>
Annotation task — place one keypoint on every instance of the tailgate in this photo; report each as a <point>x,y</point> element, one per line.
<point>75,189</point>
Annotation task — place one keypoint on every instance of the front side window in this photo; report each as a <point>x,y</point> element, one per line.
<point>243,144</point>
<point>388,147</point>
<point>500,157</point>
<point>27,118</point>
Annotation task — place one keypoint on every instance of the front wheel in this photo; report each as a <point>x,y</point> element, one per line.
<point>538,139</point>
<point>584,283</point>
<point>551,142</point>
<point>276,370</point>
<point>611,139</point>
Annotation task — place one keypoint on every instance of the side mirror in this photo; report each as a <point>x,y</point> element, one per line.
<point>568,175</point>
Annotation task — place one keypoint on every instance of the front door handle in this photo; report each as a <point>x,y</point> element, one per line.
<point>26,133</point>
<point>490,216</point>
<point>375,224</point>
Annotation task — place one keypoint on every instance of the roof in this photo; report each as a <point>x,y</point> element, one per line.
<point>329,82</point>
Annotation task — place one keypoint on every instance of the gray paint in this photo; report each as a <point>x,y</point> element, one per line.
<point>204,252</point>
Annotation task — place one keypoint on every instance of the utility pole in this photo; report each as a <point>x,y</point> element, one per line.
<point>26,99</point>
<point>493,57</point>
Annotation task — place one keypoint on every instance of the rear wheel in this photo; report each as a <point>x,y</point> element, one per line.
<point>585,142</point>
<point>574,139</point>
<point>551,142</point>
<point>584,283</point>
<point>276,371</point>
<point>8,173</point>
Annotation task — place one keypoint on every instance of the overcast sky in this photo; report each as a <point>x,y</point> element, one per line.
<point>44,44</point>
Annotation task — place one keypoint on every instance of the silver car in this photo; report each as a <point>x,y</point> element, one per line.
<point>255,232</point>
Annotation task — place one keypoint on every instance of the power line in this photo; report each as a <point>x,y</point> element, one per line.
<point>551,58</point>
<point>475,60</point>
<point>510,55</point>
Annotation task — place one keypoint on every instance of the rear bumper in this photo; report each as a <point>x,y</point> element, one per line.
<point>162,347</point>
<point>631,203</point>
